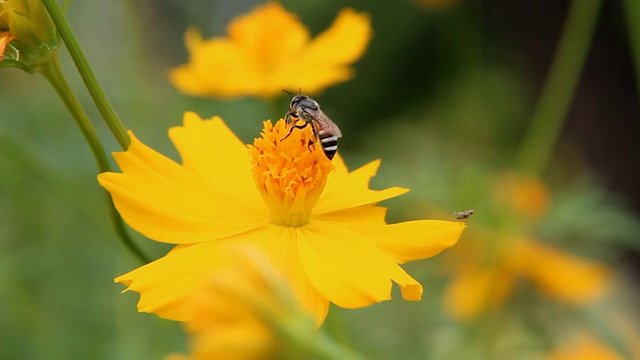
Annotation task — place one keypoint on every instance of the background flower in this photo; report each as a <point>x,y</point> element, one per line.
<point>269,50</point>
<point>486,274</point>
<point>317,222</point>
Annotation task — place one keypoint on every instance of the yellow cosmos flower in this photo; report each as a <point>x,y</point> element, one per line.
<point>485,275</point>
<point>269,50</point>
<point>314,220</point>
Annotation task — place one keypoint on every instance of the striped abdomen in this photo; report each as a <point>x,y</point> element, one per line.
<point>329,143</point>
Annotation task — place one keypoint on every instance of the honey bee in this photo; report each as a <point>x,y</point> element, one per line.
<point>463,215</point>
<point>326,131</point>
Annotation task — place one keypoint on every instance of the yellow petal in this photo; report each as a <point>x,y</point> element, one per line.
<point>279,245</point>
<point>211,150</point>
<point>345,190</point>
<point>217,67</point>
<point>407,241</point>
<point>348,270</point>
<point>166,284</point>
<point>475,290</point>
<point>168,203</point>
<point>330,53</point>
<point>298,76</point>
<point>366,218</point>
<point>270,35</point>
<point>345,41</point>
<point>415,240</point>
<point>468,294</point>
<point>563,275</point>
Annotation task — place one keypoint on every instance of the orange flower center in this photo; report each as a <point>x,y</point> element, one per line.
<point>290,173</point>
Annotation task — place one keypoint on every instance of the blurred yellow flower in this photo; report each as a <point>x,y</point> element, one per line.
<point>486,271</point>
<point>27,25</point>
<point>269,50</point>
<point>314,220</point>
<point>527,196</point>
<point>558,274</point>
<point>478,287</point>
<point>243,310</point>
<point>584,347</point>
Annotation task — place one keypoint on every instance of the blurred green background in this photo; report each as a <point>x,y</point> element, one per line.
<point>443,96</point>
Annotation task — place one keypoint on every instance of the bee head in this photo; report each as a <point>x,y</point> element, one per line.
<point>304,102</point>
<point>296,100</point>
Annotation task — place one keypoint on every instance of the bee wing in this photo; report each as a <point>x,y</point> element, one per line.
<point>324,123</point>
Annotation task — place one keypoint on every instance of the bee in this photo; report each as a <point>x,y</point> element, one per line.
<point>326,131</point>
<point>463,215</point>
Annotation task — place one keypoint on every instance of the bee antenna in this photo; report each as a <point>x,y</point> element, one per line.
<point>300,90</point>
<point>287,92</point>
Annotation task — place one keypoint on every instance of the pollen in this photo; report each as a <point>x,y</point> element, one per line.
<point>290,173</point>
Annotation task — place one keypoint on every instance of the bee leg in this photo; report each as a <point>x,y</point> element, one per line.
<point>287,117</point>
<point>293,128</point>
<point>310,144</point>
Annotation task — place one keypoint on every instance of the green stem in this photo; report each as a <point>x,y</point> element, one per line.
<point>557,93</point>
<point>53,73</point>
<point>632,9</point>
<point>102,103</point>
<point>318,344</point>
<point>327,348</point>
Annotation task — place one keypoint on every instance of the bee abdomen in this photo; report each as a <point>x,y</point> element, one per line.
<point>329,144</point>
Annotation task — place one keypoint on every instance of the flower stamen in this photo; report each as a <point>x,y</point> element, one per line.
<point>289,173</point>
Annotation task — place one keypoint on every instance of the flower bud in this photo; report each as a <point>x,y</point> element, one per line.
<point>27,33</point>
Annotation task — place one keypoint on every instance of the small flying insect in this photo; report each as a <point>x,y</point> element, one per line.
<point>306,109</point>
<point>463,215</point>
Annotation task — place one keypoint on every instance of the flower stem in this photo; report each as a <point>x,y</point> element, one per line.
<point>53,73</point>
<point>320,345</point>
<point>326,348</point>
<point>558,90</point>
<point>106,110</point>
<point>632,9</point>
